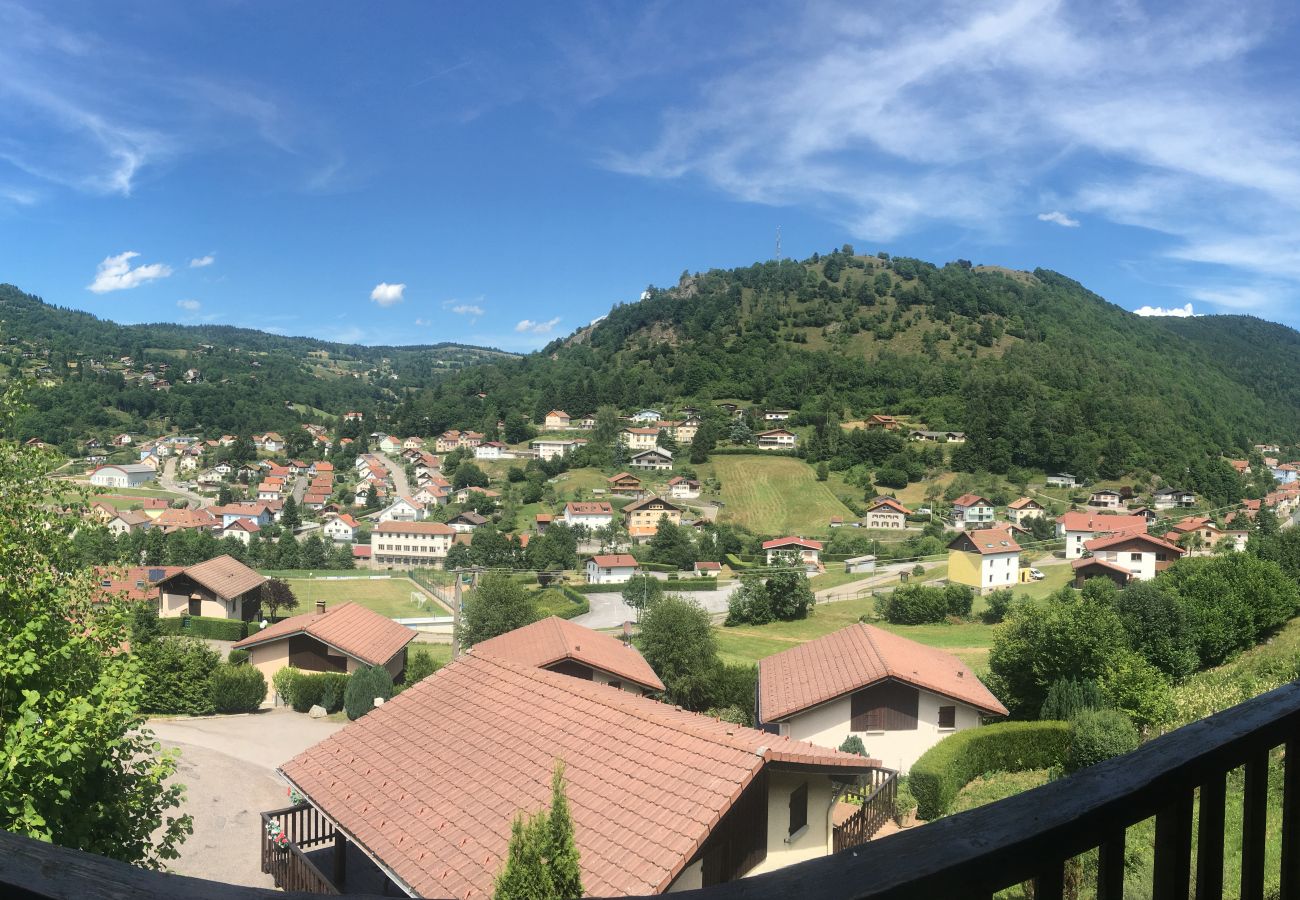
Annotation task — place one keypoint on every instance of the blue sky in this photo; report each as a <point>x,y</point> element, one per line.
<point>502,173</point>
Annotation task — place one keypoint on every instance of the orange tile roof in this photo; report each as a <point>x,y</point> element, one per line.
<point>413,528</point>
<point>126,586</point>
<point>614,560</point>
<point>1114,539</point>
<point>430,781</point>
<point>589,509</point>
<point>225,576</point>
<point>795,541</point>
<point>970,500</point>
<point>892,504</point>
<point>359,632</point>
<point>623,476</point>
<point>185,518</point>
<point>986,540</point>
<point>1024,503</point>
<point>553,639</point>
<point>852,658</point>
<point>1086,521</point>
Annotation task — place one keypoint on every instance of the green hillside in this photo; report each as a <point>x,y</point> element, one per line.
<point>1040,372</point>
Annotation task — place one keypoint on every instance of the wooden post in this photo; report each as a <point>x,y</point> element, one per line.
<point>455,618</point>
<point>340,860</point>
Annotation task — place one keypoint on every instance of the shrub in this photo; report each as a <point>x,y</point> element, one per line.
<point>366,685</point>
<point>733,714</point>
<point>237,657</point>
<point>904,802</point>
<point>175,672</point>
<point>853,744</point>
<point>1066,697</point>
<point>420,664</point>
<point>236,688</point>
<point>307,691</point>
<point>1099,734</point>
<point>999,603</point>
<point>1139,689</point>
<point>335,685</point>
<point>959,599</point>
<point>949,765</point>
<point>913,604</point>
<point>282,682</point>
<point>205,627</point>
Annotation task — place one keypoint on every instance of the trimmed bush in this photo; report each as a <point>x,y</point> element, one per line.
<point>949,765</point>
<point>206,627</point>
<point>237,657</point>
<point>1099,734</point>
<point>853,744</point>
<point>365,686</point>
<point>335,687</point>
<point>282,682</point>
<point>303,690</point>
<point>581,604</point>
<point>236,688</point>
<point>904,802</point>
<point>913,604</point>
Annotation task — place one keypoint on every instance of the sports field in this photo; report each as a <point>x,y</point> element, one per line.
<point>775,495</point>
<point>389,597</point>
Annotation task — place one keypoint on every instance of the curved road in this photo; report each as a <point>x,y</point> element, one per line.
<point>167,481</point>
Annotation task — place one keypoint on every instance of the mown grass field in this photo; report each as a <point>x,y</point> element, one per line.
<point>389,597</point>
<point>775,495</point>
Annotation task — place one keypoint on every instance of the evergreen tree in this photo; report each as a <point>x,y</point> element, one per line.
<point>289,516</point>
<point>562,850</point>
<point>542,856</point>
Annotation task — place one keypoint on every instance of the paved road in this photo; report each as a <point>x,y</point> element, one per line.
<point>167,481</point>
<point>609,610</point>
<point>397,471</point>
<point>882,575</point>
<point>228,765</point>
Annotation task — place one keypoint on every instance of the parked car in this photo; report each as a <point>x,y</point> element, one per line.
<point>1036,575</point>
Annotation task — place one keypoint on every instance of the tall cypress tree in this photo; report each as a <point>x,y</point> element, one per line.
<point>542,859</point>
<point>562,853</point>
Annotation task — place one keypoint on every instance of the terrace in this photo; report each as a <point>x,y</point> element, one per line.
<point>1179,779</point>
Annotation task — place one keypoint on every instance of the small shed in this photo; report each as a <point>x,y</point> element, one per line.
<point>860,565</point>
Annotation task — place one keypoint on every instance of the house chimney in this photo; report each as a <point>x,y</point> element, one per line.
<point>320,606</point>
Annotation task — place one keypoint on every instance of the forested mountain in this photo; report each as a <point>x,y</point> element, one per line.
<point>91,375</point>
<point>1040,372</point>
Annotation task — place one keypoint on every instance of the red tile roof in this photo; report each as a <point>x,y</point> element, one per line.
<point>553,639</point>
<point>614,560</point>
<point>985,541</point>
<point>1087,562</point>
<point>430,781</point>
<point>413,528</point>
<point>792,542</point>
<point>1024,503</point>
<point>892,504</point>
<point>970,500</point>
<point>1095,522</point>
<point>852,658</point>
<point>124,582</point>
<point>225,576</point>
<point>1142,537</point>
<point>589,509</point>
<point>359,632</point>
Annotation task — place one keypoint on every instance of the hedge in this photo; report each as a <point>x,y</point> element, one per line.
<point>951,764</point>
<point>236,688</point>
<point>658,567</point>
<point>581,605</point>
<point>207,627</point>
<point>303,690</point>
<point>737,563</point>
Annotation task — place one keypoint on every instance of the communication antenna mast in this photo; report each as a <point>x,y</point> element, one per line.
<point>778,243</point>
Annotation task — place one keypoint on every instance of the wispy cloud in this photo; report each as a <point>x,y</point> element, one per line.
<point>189,305</point>
<point>467,309</point>
<point>386,294</point>
<point>531,327</point>
<point>423,323</point>
<point>1180,312</point>
<point>116,274</point>
<point>1059,218</point>
<point>201,262</point>
<point>968,114</point>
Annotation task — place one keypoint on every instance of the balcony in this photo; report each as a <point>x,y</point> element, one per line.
<point>1180,779</point>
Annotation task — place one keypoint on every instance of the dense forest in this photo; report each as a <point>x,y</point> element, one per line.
<point>246,378</point>
<point>1040,372</point>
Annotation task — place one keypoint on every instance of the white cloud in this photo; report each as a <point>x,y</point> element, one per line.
<point>467,309</point>
<point>1180,312</point>
<point>115,273</point>
<point>1059,218</point>
<point>190,305</point>
<point>423,322</point>
<point>201,262</point>
<point>386,294</point>
<point>532,327</point>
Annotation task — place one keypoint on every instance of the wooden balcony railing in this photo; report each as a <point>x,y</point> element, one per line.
<point>1179,778</point>
<point>876,808</point>
<point>286,862</point>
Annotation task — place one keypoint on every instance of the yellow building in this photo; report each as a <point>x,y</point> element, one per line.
<point>643,516</point>
<point>987,560</point>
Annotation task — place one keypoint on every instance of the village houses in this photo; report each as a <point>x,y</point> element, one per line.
<point>984,559</point>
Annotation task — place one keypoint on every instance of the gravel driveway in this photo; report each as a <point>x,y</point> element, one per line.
<point>227,765</point>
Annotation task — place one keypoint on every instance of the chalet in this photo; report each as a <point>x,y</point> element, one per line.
<point>637,439</point>
<point>342,529</point>
<point>625,484</point>
<point>241,530</point>
<point>466,521</point>
<point>389,444</point>
<point>684,431</point>
<point>1106,499</point>
<point>777,439</point>
<point>1139,554</point>
<point>1171,498</point>
<point>706,569</point>
<point>222,588</point>
<point>1079,527</point>
<point>613,568</point>
<point>655,460</point>
<point>984,559</point>
<point>887,512</point>
<point>433,493</point>
<point>794,551</point>
<point>727,800</point>
<point>1024,508</point>
<point>559,645</point>
<point>557,418</point>
<point>128,521</point>
<point>343,638</point>
<point>551,448</point>
<point>643,516</point>
<point>729,408</point>
<point>971,511</point>
<point>126,475</point>
<point>250,511</point>
<point>170,520</point>
<point>405,544</point>
<point>271,443</point>
<point>403,509</point>
<point>543,521</point>
<point>591,516</point>
<point>1204,533</point>
<point>888,423</point>
<point>900,697</point>
<point>1062,480</point>
<point>683,488</point>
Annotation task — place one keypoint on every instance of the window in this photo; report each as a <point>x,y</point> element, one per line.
<point>947,717</point>
<point>1135,557</point>
<point>798,808</point>
<point>888,706</point>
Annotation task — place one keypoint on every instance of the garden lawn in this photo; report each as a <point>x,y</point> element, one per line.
<point>776,496</point>
<point>389,597</point>
<point>997,786</point>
